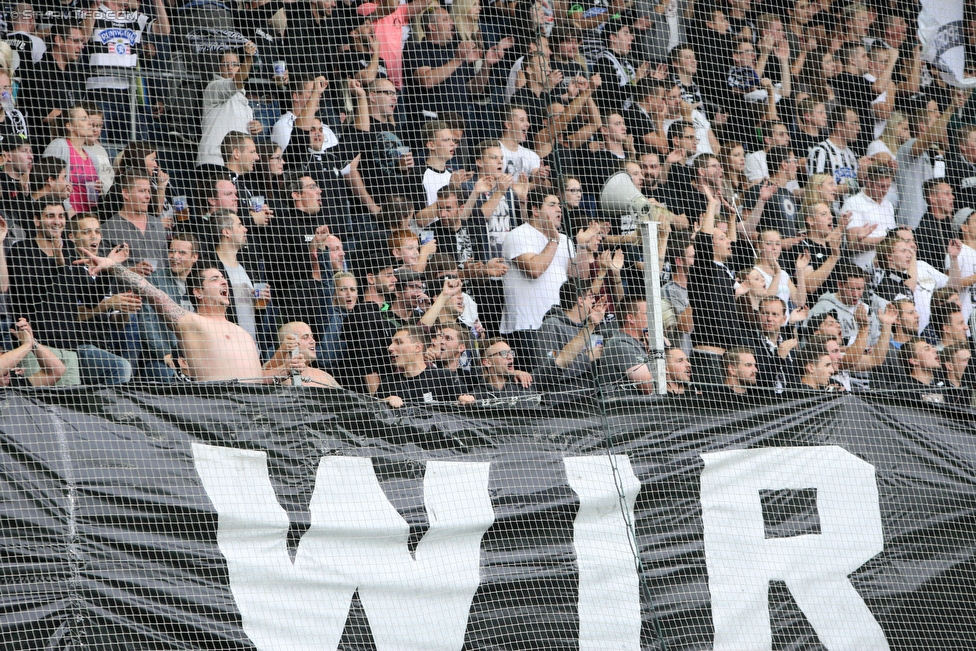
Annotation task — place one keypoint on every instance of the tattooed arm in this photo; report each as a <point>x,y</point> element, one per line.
<point>163,304</point>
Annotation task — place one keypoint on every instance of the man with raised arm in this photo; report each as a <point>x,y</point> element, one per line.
<point>214,348</point>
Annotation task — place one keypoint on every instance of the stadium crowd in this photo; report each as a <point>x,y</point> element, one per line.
<point>404,199</point>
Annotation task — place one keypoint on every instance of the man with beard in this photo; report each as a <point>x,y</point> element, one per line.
<point>741,371</point>
<point>678,372</point>
<point>295,356</point>
<point>366,330</point>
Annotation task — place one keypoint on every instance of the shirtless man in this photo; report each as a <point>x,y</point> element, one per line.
<point>298,336</point>
<point>215,348</point>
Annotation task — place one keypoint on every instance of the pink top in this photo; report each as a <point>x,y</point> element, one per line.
<point>83,176</point>
<point>389,34</point>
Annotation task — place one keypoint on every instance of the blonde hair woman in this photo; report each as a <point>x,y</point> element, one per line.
<point>821,189</point>
<point>465,14</point>
<point>776,279</point>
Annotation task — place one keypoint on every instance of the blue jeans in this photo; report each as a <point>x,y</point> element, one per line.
<point>97,366</point>
<point>155,371</point>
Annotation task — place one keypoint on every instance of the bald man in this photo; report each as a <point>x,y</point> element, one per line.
<point>297,336</point>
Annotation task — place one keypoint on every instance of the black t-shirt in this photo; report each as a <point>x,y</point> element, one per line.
<point>45,87</point>
<point>570,70</point>
<point>449,95</point>
<point>289,235</point>
<point>962,175</point>
<point>639,123</point>
<point>254,24</point>
<point>593,168</point>
<point>367,334</point>
<point>801,142</point>
<point>674,192</point>
<point>48,296</point>
<point>780,212</point>
<point>612,95</point>
<point>382,147</point>
<point>484,391</point>
<point>14,126</point>
<point>352,63</point>
<point>818,257</point>
<point>312,44</point>
<point>434,384</point>
<point>854,91</point>
<point>773,371</point>
<point>932,238</point>
<point>711,291</point>
<point>468,243</point>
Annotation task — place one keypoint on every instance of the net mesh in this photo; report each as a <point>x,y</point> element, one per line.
<point>377,325</point>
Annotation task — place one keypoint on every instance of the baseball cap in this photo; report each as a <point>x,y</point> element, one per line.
<point>961,217</point>
<point>12,141</point>
<point>407,275</point>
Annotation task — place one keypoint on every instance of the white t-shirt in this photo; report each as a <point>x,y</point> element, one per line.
<point>243,289</point>
<point>528,299</point>
<point>281,132</point>
<point>225,109</point>
<point>782,285</point>
<point>929,279</point>
<point>967,267</point>
<point>434,181</point>
<point>866,211</point>
<point>520,163</point>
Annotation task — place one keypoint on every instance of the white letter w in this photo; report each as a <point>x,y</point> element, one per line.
<point>356,540</point>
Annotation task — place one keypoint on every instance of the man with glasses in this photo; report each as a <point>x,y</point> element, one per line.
<point>541,259</point>
<point>386,163</point>
<point>499,377</point>
<point>225,106</point>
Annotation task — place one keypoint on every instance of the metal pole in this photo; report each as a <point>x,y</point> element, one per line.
<point>655,318</point>
<point>133,117</point>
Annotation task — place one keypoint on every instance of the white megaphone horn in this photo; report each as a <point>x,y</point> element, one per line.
<point>621,197</point>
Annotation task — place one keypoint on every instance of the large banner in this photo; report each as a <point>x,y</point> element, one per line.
<point>942,34</point>
<point>260,518</point>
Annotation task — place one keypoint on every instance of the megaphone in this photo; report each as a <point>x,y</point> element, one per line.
<point>621,197</point>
